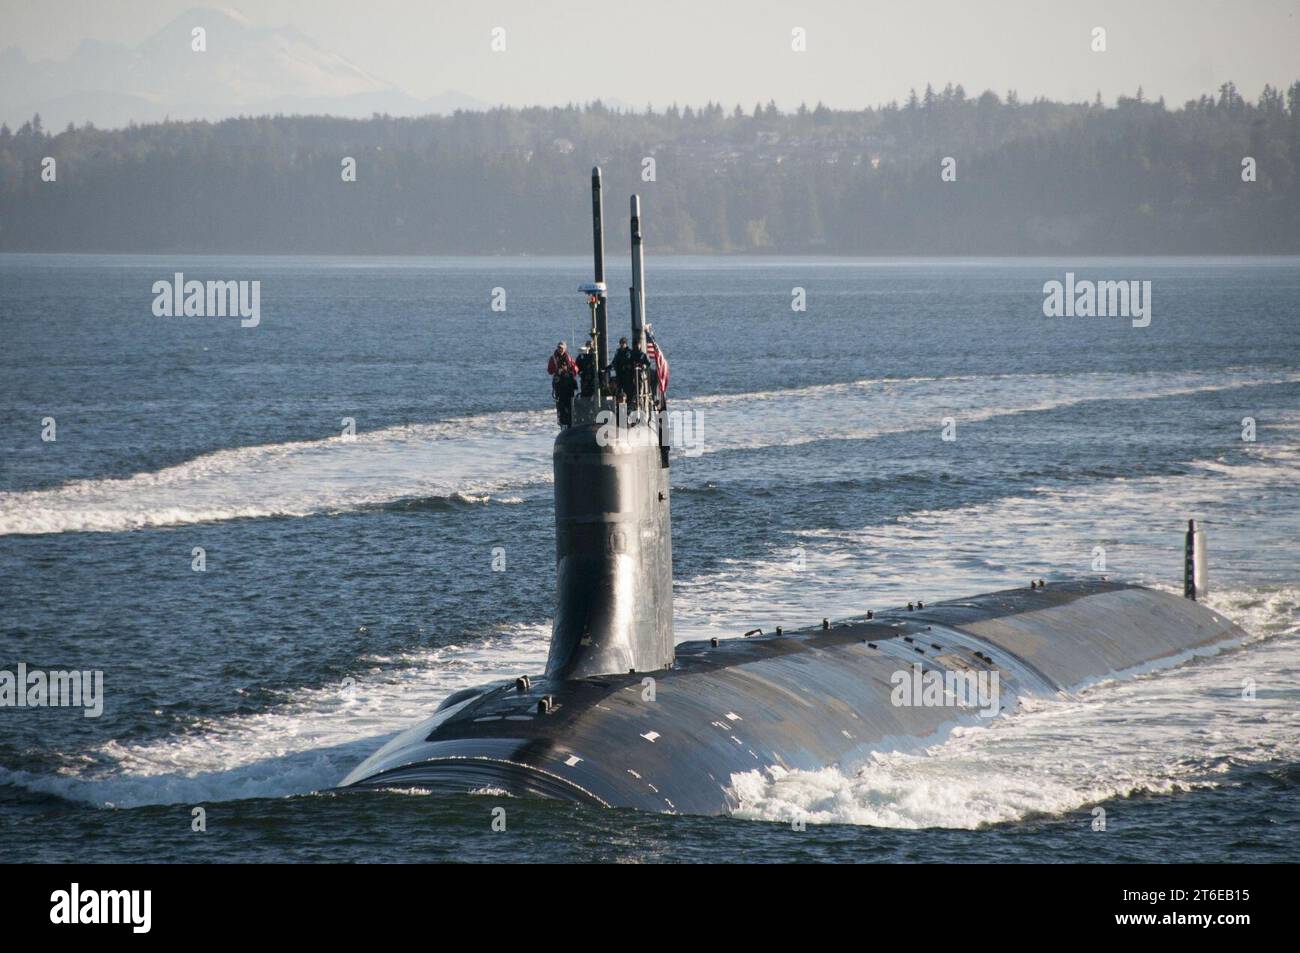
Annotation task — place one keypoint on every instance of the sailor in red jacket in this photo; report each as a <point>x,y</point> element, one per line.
<point>560,361</point>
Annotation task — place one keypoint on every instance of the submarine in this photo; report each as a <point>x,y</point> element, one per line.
<point>624,717</point>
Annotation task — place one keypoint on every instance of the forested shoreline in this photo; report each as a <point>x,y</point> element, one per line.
<point>1036,177</point>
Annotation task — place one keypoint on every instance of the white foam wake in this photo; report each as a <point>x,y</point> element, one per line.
<point>944,553</point>
<point>470,457</point>
<point>865,409</point>
<point>489,455</point>
<point>304,746</point>
<point>1179,729</point>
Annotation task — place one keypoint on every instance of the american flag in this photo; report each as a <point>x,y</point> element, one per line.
<point>653,352</point>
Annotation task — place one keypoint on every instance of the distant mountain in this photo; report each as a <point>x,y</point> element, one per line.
<point>246,70</point>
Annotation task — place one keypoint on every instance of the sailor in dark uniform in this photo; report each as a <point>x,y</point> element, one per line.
<point>624,366</point>
<point>563,387</point>
<point>587,370</point>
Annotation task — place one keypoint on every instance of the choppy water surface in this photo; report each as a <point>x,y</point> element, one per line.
<point>349,583</point>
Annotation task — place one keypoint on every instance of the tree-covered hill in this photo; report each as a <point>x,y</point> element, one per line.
<point>1035,177</point>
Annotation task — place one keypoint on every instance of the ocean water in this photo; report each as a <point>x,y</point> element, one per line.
<point>349,582</point>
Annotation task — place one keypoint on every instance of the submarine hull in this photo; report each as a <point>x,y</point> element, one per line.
<point>672,740</point>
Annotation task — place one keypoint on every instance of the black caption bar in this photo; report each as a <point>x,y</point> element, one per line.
<point>333,903</point>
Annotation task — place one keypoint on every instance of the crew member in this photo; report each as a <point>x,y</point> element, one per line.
<point>560,360</point>
<point>563,386</point>
<point>587,369</point>
<point>624,366</point>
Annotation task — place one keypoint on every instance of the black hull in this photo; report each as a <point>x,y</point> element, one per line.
<point>803,700</point>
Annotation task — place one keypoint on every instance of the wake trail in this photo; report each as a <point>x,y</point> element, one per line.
<point>491,457</point>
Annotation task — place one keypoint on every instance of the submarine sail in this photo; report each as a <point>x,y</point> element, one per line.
<point>613,533</point>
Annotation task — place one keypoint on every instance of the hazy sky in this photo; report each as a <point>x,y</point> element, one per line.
<point>858,53</point>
